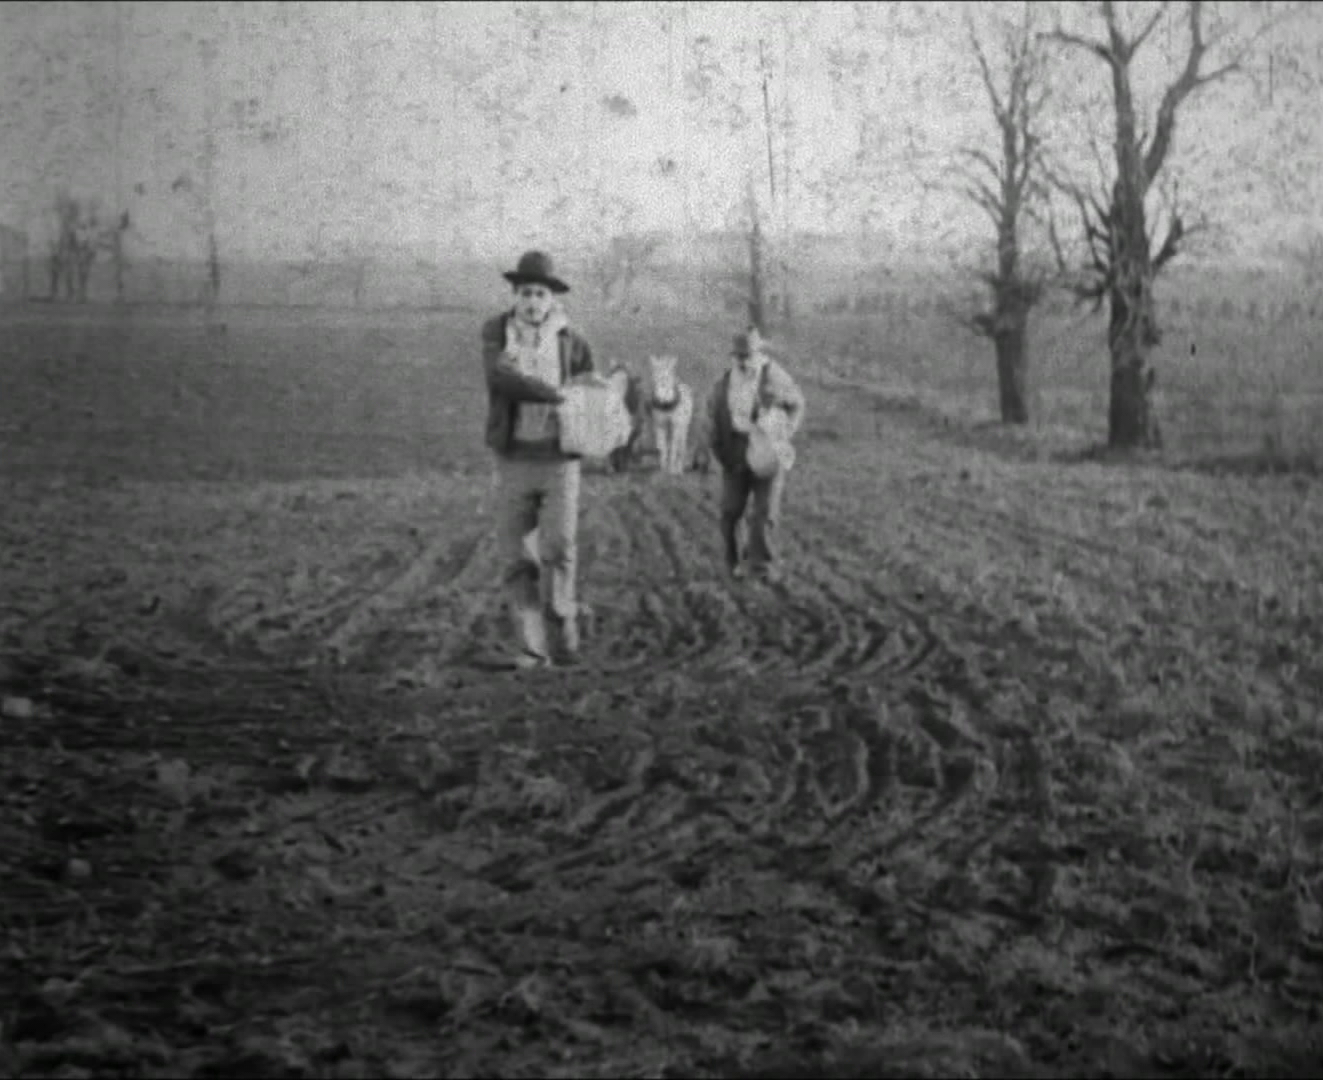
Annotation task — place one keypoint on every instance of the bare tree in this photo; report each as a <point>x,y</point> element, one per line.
<point>208,51</point>
<point>116,236</point>
<point>1005,185</point>
<point>63,257</point>
<point>84,247</point>
<point>1123,259</point>
<point>76,238</point>
<point>1307,255</point>
<point>783,33</point>
<point>722,93</point>
<point>112,239</point>
<point>14,262</point>
<point>627,254</point>
<point>1288,164</point>
<point>895,153</point>
<point>778,182</point>
<point>757,280</point>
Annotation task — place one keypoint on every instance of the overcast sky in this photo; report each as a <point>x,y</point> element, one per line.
<point>358,126</point>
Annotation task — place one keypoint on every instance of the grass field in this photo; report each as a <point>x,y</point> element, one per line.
<point>1018,773</point>
<point>1233,392</point>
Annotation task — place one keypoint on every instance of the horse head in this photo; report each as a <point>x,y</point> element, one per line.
<point>663,372</point>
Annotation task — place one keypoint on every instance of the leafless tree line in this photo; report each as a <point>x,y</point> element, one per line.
<point>1021,187</point>
<point>1041,217</point>
<point>1123,250</point>
<point>78,237</point>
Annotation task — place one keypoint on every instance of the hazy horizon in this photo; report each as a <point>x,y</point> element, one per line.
<point>484,128</point>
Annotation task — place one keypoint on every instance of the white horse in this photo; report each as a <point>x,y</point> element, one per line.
<point>670,410</point>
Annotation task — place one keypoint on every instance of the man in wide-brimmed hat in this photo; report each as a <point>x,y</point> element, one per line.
<point>752,386</point>
<point>530,352</point>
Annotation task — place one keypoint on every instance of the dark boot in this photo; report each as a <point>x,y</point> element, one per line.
<point>564,640</point>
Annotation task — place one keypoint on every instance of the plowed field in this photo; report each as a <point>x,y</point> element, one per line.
<point>1018,772</point>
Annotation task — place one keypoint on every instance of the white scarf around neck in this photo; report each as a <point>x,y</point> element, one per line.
<point>742,393</point>
<point>536,349</point>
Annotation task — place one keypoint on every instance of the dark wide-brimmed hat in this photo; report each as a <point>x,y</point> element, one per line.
<point>747,342</point>
<point>535,268</point>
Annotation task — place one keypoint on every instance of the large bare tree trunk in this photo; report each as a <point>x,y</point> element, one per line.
<point>1119,241</point>
<point>1004,186</point>
<point>1132,328</point>
<point>1013,299</point>
<point>1012,345</point>
<point>1131,421</point>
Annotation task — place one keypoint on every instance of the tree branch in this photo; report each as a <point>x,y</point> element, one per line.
<point>1097,234</point>
<point>1185,84</point>
<point>984,69</point>
<point>1222,72</point>
<point>1083,290</point>
<point>983,158</point>
<point>1054,240</point>
<point>1099,157</point>
<point>1034,106</point>
<point>1171,245</point>
<point>1149,27</point>
<point>1030,157</point>
<point>982,197</point>
<point>1098,48</point>
<point>1119,47</point>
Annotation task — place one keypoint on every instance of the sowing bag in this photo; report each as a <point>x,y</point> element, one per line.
<point>769,448</point>
<point>593,420</point>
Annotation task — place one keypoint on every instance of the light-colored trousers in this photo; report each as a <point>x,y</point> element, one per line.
<point>739,486</point>
<point>537,509</point>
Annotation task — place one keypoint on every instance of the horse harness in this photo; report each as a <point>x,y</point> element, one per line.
<point>658,405</point>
